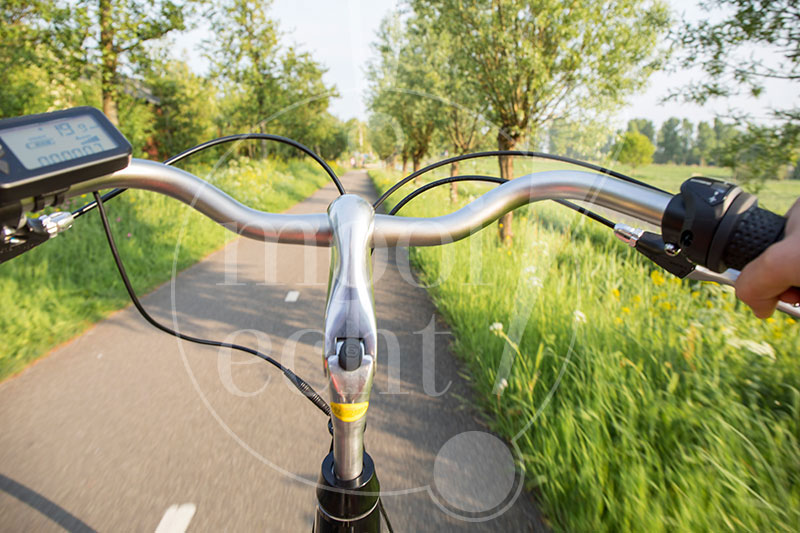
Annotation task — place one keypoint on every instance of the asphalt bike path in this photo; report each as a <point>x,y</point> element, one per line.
<point>128,429</point>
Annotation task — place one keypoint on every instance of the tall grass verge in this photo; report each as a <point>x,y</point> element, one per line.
<point>639,402</point>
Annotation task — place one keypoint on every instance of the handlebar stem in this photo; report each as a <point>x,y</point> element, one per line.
<point>350,325</point>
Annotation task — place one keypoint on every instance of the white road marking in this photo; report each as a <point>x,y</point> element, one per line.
<point>292,296</point>
<point>177,518</point>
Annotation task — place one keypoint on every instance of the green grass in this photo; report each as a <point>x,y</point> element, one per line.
<point>677,410</point>
<point>58,289</point>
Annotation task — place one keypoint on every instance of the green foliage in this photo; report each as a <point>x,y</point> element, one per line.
<point>705,144</point>
<point>186,111</point>
<point>266,89</point>
<point>384,136</point>
<point>582,139</point>
<point>402,86</point>
<point>634,149</point>
<point>722,48</point>
<point>639,403</point>
<point>536,61</point>
<point>670,143</point>
<point>761,153</point>
<point>643,126</point>
<point>41,57</point>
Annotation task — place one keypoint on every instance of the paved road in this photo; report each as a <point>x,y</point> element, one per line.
<point>112,429</point>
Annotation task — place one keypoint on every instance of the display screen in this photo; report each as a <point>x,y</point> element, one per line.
<point>50,143</point>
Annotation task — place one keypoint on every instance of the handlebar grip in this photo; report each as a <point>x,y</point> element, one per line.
<point>752,233</point>
<point>719,226</point>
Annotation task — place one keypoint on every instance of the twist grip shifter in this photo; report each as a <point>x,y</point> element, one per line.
<point>719,226</point>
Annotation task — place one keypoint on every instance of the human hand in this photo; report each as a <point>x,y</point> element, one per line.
<point>775,274</point>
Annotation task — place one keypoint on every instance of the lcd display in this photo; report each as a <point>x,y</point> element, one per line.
<point>50,143</point>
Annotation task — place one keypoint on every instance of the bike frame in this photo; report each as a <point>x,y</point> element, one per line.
<point>348,494</point>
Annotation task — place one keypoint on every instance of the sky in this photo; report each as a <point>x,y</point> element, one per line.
<point>339,34</point>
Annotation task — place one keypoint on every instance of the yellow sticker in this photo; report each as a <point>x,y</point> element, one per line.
<point>349,412</point>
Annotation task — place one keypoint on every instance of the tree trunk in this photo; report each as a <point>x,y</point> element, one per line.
<point>506,142</point>
<point>405,163</point>
<point>415,160</point>
<point>109,62</point>
<point>454,185</point>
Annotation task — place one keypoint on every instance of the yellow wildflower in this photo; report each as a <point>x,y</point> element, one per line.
<point>637,299</point>
<point>790,320</point>
<point>615,294</point>
<point>666,306</point>
<point>695,294</point>
<point>657,277</point>
<point>626,310</point>
<point>770,320</point>
<point>618,321</point>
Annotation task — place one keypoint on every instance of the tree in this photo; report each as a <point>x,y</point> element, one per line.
<point>462,107</point>
<point>584,139</point>
<point>122,28</point>
<point>384,136</point>
<point>686,142</point>
<point>634,149</point>
<point>669,141</point>
<point>534,62</point>
<point>41,57</point>
<point>402,87</point>
<point>722,50</point>
<point>760,153</point>
<point>187,107</point>
<point>643,126</point>
<point>705,143</point>
<point>265,87</point>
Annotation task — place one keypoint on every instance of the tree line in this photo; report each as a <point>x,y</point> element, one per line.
<point>114,55</point>
<point>451,77</point>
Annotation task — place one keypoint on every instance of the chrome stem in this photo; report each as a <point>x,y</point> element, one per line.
<point>350,314</point>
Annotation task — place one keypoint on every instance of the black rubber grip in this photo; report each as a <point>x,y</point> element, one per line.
<point>753,233</point>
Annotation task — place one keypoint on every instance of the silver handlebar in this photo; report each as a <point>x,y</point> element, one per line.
<point>628,198</point>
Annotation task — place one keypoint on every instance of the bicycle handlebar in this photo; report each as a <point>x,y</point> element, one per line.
<point>628,198</point>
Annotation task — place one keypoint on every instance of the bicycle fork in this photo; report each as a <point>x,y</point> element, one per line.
<point>348,493</point>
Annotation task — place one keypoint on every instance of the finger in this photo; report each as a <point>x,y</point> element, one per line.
<point>792,296</point>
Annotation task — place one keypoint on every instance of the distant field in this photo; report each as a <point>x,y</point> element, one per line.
<point>775,195</point>
<point>638,402</point>
<point>57,290</point>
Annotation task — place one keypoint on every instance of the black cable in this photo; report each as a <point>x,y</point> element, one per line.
<point>297,381</point>
<point>492,179</point>
<point>494,153</point>
<point>385,516</point>
<point>222,140</point>
<point>443,181</point>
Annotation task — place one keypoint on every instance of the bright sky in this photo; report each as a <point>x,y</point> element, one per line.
<point>339,34</point>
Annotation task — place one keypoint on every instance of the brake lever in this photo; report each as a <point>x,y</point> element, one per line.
<point>652,246</point>
<point>729,277</point>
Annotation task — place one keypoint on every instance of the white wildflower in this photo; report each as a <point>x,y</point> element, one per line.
<point>501,386</point>
<point>497,327</point>
<point>535,282</point>
<point>529,270</point>
<point>759,348</point>
<point>579,317</point>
